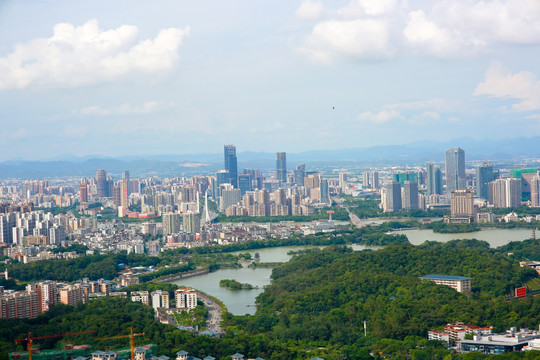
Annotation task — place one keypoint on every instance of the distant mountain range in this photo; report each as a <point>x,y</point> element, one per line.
<point>511,150</point>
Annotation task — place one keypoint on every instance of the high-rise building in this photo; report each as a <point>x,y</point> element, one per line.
<point>244,183</point>
<point>374,182</point>
<point>366,184</point>
<point>391,197</point>
<point>191,222</point>
<point>84,191</point>
<point>505,193</point>
<point>185,298</point>
<point>325,192</point>
<point>57,234</point>
<point>222,177</point>
<point>461,206</point>
<point>455,170</point>
<point>101,182</point>
<point>433,179</point>
<point>484,175</point>
<point>343,182</point>
<point>535,191</point>
<point>229,197</point>
<point>73,294</point>
<point>160,299</point>
<point>526,176</point>
<point>300,174</point>
<point>410,195</point>
<point>231,164</point>
<point>171,223</point>
<point>407,176</point>
<point>281,167</point>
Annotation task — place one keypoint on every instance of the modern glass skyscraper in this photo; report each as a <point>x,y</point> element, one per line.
<point>433,179</point>
<point>281,166</point>
<point>455,170</point>
<point>484,175</point>
<point>299,174</point>
<point>231,164</point>
<point>101,180</point>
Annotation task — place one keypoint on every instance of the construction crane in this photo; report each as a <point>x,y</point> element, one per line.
<point>131,337</point>
<point>30,339</point>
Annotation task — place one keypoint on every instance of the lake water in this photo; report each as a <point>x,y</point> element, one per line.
<point>240,302</point>
<point>495,237</point>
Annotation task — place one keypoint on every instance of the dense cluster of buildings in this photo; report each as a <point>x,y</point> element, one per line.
<point>460,189</point>
<point>466,338</point>
<point>39,297</point>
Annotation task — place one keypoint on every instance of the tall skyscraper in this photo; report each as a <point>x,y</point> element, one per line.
<point>84,191</point>
<point>231,164</point>
<point>391,196</point>
<point>455,170</point>
<point>343,182</point>
<point>374,182</point>
<point>300,174</point>
<point>484,175</point>
<point>325,192</point>
<point>281,167</point>
<point>410,195</point>
<point>433,179</point>
<point>101,182</point>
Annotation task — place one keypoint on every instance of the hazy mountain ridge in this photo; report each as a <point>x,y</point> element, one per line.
<point>206,163</point>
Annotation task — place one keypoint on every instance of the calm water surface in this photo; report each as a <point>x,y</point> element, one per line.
<point>495,237</point>
<point>240,302</point>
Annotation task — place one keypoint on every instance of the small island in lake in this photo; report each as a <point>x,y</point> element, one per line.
<point>235,285</point>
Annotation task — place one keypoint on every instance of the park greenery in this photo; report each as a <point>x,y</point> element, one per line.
<point>317,303</point>
<point>93,267</point>
<point>232,284</point>
<point>195,318</point>
<point>325,296</point>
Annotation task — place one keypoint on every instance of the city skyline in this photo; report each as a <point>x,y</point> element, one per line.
<point>276,76</point>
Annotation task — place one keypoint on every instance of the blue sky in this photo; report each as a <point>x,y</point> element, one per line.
<point>160,77</point>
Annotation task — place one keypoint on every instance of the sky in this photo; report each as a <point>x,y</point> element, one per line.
<point>118,78</point>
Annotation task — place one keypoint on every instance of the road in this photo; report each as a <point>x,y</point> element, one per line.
<point>355,220</point>
<point>214,313</point>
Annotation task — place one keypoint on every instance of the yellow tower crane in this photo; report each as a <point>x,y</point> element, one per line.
<point>131,337</point>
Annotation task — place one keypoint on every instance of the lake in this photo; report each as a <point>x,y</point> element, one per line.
<point>240,302</point>
<point>495,237</point>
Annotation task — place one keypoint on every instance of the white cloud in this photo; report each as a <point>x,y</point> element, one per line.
<point>124,109</point>
<point>455,28</point>
<point>310,10</point>
<point>371,29</point>
<point>359,39</point>
<point>368,7</point>
<point>84,55</point>
<point>523,86</point>
<point>381,117</point>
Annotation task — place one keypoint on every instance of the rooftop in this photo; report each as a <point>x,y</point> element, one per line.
<point>444,277</point>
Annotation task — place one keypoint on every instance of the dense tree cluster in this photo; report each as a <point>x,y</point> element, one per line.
<point>326,296</point>
<point>93,267</point>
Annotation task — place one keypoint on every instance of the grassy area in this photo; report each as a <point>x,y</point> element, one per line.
<point>534,284</point>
